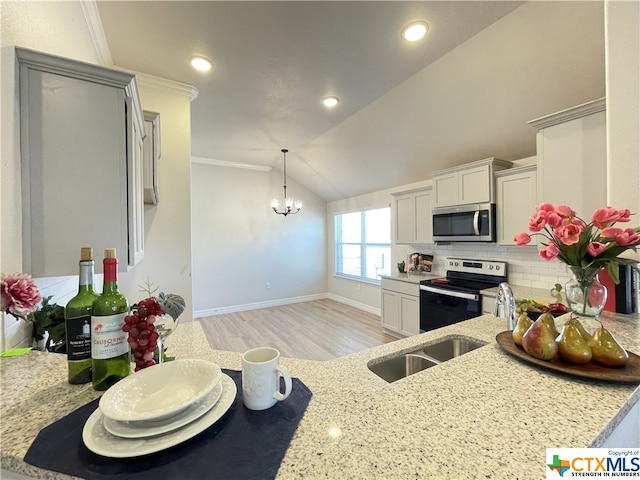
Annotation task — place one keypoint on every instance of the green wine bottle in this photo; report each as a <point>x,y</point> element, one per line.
<point>77,317</point>
<point>110,352</point>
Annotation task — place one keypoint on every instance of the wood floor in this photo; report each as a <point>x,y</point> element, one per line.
<point>316,330</point>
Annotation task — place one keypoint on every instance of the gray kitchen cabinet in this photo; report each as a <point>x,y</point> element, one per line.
<point>572,157</point>
<point>413,217</point>
<point>151,157</point>
<point>400,307</point>
<point>516,199</point>
<point>467,184</point>
<point>81,139</point>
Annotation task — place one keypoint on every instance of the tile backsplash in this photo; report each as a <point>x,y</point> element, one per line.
<point>525,268</point>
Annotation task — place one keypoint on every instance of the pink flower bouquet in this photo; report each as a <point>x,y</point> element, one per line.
<point>588,246</point>
<point>19,295</point>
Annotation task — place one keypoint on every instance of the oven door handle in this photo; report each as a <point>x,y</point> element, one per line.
<point>451,293</point>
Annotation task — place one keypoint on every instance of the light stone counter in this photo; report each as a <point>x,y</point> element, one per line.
<point>482,415</point>
<point>411,277</point>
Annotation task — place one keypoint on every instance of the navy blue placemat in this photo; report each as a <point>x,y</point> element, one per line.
<point>243,444</point>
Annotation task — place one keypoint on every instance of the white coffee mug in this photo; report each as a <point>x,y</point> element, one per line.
<point>261,373</point>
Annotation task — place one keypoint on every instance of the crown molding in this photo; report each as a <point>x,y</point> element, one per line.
<point>167,85</point>
<point>92,17</point>
<point>583,110</point>
<point>224,163</point>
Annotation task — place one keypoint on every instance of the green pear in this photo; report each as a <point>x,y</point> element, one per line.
<point>583,331</point>
<point>522,325</point>
<point>548,320</point>
<point>539,341</point>
<point>572,346</point>
<point>606,349</point>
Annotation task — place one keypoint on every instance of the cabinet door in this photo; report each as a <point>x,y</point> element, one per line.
<point>446,189</point>
<point>474,186</point>
<point>409,315</point>
<point>74,175</point>
<point>575,152</point>
<point>390,310</point>
<point>516,201</point>
<point>404,219</point>
<point>423,217</point>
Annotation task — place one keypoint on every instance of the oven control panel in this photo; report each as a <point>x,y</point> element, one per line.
<point>484,267</point>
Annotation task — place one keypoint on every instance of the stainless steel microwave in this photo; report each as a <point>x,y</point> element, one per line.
<point>465,223</point>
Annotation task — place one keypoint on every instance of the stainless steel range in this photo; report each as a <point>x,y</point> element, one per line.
<point>456,297</point>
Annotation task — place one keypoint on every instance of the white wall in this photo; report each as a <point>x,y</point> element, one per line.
<point>60,28</point>
<point>240,245</point>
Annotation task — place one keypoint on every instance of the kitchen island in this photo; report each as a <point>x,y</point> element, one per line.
<point>484,414</point>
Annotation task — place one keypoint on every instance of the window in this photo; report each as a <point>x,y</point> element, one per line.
<point>363,244</point>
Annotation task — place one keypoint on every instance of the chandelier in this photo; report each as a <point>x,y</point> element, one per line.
<point>291,206</point>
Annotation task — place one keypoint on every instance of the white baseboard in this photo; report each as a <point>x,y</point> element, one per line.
<point>283,301</point>
<point>254,306</point>
<point>352,303</point>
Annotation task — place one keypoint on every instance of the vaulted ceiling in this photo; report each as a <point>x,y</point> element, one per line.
<point>463,93</point>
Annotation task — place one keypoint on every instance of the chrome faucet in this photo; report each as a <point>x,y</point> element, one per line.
<point>506,299</point>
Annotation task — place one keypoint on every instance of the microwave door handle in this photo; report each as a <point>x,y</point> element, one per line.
<point>450,293</point>
<point>476,222</point>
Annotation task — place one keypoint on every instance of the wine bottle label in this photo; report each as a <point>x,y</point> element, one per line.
<point>79,338</point>
<point>107,338</point>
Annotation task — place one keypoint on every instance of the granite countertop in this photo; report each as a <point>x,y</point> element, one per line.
<point>410,277</point>
<point>476,416</point>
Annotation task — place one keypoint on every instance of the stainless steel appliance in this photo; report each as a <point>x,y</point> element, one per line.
<point>465,223</point>
<point>456,297</point>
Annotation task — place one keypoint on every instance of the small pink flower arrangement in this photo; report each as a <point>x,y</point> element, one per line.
<point>19,295</point>
<point>588,246</point>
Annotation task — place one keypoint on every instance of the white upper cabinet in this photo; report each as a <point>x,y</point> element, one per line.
<point>413,218</point>
<point>81,139</point>
<point>572,157</point>
<point>516,201</point>
<point>467,184</point>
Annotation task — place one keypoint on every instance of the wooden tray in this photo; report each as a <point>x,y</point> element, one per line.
<point>630,373</point>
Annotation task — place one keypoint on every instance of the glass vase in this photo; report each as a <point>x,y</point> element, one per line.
<point>586,296</point>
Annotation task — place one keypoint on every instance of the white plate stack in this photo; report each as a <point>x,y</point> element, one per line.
<point>158,407</point>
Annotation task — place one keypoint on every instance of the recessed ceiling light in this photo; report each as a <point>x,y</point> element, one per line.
<point>330,102</point>
<point>415,31</point>
<point>200,63</point>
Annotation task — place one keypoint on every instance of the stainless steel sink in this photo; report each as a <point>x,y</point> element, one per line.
<point>428,356</point>
<point>399,367</point>
<point>450,348</point>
